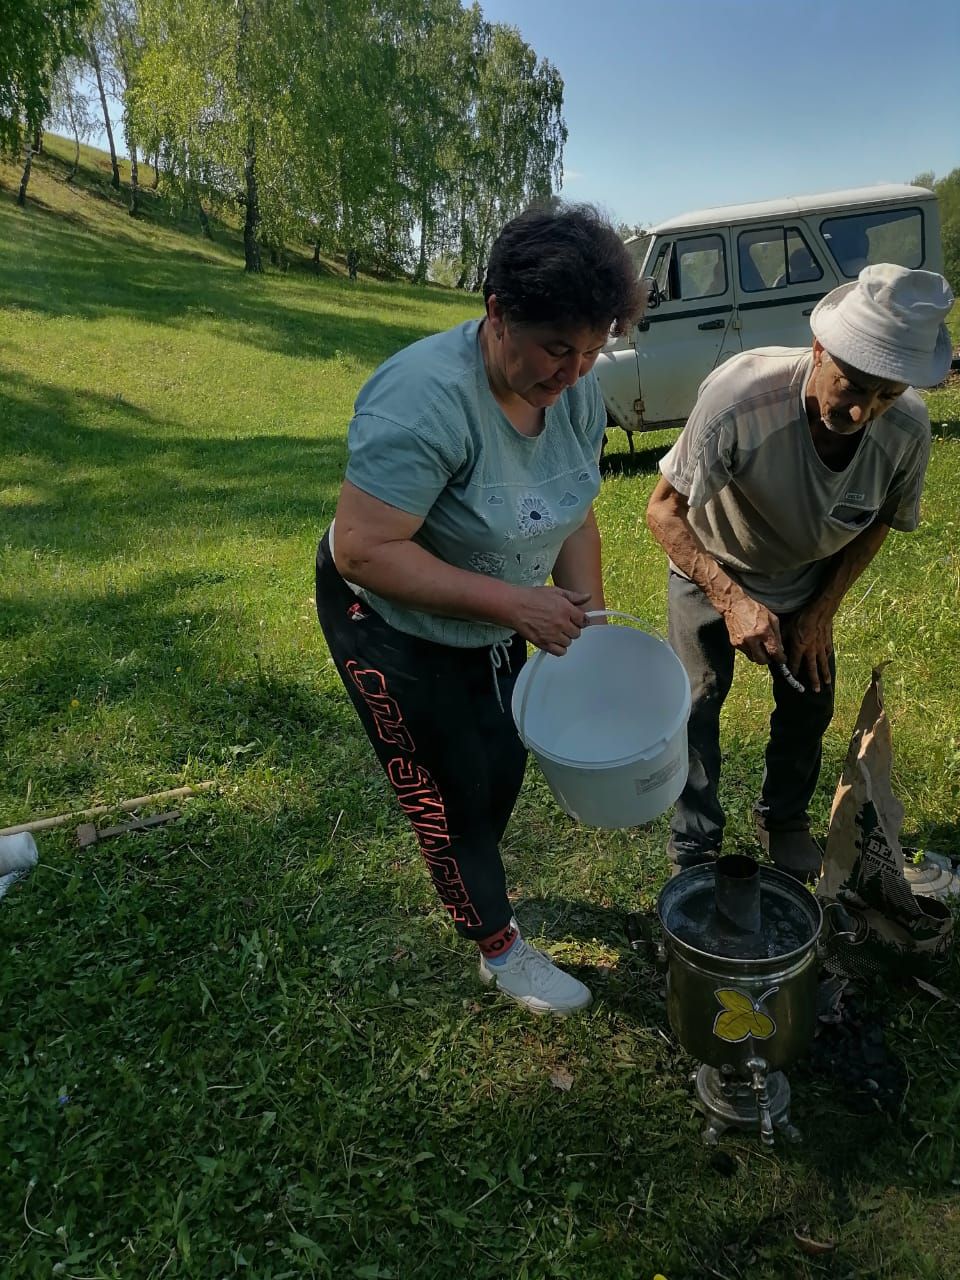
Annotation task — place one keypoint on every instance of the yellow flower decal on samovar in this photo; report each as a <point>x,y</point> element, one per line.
<point>743,1017</point>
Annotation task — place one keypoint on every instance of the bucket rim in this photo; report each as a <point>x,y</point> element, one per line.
<point>666,736</point>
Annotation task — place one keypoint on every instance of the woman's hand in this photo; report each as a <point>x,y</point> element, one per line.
<point>810,647</point>
<point>549,617</point>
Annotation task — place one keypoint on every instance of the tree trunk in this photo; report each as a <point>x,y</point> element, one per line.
<point>156,172</point>
<point>120,37</point>
<point>76,154</point>
<point>204,220</point>
<point>38,141</point>
<point>466,246</point>
<point>134,180</point>
<point>251,249</point>
<point>420,275</point>
<point>252,262</point>
<point>22,194</point>
<point>316,258</point>
<point>108,128</point>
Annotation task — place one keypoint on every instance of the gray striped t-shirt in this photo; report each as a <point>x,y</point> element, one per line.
<point>762,501</point>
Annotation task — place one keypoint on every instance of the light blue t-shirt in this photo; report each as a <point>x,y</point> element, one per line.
<point>428,437</point>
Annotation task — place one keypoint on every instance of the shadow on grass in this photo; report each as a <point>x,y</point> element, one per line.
<point>159,208</point>
<point>128,685</point>
<point>62,267</point>
<point>556,917</point>
<point>942,837</point>
<point>644,462</point>
<point>84,455</point>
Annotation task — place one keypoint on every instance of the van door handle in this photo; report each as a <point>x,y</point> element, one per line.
<point>712,324</point>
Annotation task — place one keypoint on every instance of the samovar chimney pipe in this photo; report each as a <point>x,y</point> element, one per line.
<point>737,892</point>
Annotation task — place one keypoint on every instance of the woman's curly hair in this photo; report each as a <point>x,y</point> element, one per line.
<point>564,265</point>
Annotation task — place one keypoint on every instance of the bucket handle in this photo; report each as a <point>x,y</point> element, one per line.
<point>542,653</point>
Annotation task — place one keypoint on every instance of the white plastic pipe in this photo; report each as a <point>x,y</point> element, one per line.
<point>18,855</point>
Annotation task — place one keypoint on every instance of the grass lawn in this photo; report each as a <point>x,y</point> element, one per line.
<point>249,1042</point>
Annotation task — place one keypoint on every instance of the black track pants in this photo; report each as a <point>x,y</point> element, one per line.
<point>449,749</point>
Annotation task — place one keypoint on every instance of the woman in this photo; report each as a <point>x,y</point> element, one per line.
<point>472,470</point>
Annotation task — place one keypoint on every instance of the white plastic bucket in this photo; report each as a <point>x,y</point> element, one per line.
<point>607,723</point>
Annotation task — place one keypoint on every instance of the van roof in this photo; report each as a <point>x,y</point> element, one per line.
<point>884,193</point>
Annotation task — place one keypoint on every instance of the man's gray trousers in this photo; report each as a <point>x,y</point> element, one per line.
<point>699,636</point>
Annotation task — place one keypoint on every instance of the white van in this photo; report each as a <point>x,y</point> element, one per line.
<point>724,280</point>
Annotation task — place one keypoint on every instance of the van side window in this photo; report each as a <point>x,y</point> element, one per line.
<point>884,236</point>
<point>773,257</point>
<point>802,266</point>
<point>690,269</point>
<point>703,267</point>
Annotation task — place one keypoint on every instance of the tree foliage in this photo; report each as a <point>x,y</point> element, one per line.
<point>70,109</point>
<point>395,130</point>
<point>947,190</point>
<point>37,36</point>
<point>119,35</point>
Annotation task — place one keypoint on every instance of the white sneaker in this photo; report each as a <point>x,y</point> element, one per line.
<point>533,980</point>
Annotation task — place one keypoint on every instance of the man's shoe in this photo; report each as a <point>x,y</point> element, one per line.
<point>683,861</point>
<point>795,852</point>
<point>533,980</point>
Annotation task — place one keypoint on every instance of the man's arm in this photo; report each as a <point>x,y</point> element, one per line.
<point>810,634</point>
<point>752,628</point>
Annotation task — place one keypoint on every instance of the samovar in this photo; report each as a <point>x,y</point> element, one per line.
<point>740,945</point>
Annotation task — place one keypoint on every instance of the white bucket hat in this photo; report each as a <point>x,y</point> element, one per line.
<point>889,323</point>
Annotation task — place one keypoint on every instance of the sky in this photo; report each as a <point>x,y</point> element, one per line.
<point>675,105</point>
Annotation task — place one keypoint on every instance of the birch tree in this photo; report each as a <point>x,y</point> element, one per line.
<point>38,35</point>
<point>70,109</point>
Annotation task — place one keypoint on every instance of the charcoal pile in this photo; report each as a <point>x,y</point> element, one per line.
<point>850,1048</point>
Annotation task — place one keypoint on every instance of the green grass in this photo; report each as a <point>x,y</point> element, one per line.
<point>249,1042</point>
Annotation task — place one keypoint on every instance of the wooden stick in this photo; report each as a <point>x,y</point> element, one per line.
<point>127,806</point>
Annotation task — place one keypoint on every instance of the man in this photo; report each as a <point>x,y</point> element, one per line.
<point>791,471</point>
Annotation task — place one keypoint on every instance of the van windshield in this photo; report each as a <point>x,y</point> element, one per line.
<point>638,247</point>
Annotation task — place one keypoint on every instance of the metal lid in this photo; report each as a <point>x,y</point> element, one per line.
<point>790,917</point>
<point>932,877</point>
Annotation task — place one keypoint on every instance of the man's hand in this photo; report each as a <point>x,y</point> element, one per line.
<point>550,617</point>
<point>810,645</point>
<point>754,630</point>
